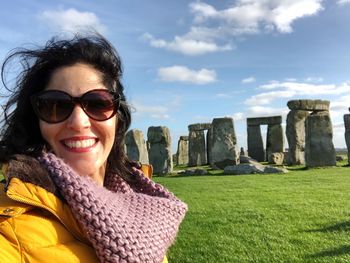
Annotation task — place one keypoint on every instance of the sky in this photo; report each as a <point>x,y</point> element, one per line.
<point>188,62</point>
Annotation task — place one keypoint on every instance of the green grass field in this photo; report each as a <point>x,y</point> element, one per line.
<point>302,216</point>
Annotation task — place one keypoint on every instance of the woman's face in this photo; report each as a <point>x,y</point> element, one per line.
<point>82,142</point>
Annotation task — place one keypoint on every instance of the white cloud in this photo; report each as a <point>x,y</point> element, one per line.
<point>267,97</point>
<point>238,116</point>
<point>314,80</point>
<point>343,2</point>
<point>155,112</point>
<point>72,20</point>
<point>292,89</point>
<point>212,30</point>
<point>184,74</point>
<point>341,106</point>
<point>278,90</point>
<point>308,89</point>
<point>253,16</point>
<point>185,45</point>
<point>248,80</point>
<point>263,111</point>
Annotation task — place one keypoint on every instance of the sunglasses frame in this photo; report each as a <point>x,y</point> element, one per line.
<point>75,101</point>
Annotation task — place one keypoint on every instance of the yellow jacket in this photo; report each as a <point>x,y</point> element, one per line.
<point>37,226</point>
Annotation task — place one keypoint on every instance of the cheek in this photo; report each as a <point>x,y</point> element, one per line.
<point>108,132</point>
<point>48,132</point>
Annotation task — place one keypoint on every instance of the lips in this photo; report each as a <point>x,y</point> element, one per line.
<point>79,144</point>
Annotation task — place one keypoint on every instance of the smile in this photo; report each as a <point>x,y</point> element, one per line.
<point>79,144</point>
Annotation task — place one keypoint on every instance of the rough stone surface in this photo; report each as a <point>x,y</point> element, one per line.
<point>255,143</point>
<point>243,152</point>
<point>295,133</point>
<point>209,145</point>
<point>248,168</point>
<point>339,158</point>
<point>197,171</point>
<point>274,139</point>
<point>264,120</point>
<point>347,133</point>
<point>136,147</point>
<point>309,105</point>
<point>174,158</point>
<point>244,168</point>
<point>197,154</point>
<point>159,151</point>
<point>223,144</point>
<point>347,141</point>
<point>182,151</point>
<point>276,158</point>
<point>273,170</point>
<point>247,159</point>
<point>319,148</point>
<point>199,126</point>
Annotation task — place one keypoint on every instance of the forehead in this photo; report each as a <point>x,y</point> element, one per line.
<point>76,79</point>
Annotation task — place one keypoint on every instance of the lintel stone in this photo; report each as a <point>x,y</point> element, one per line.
<point>199,126</point>
<point>309,105</point>
<point>264,120</point>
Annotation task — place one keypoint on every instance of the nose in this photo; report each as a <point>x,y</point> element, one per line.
<point>78,120</point>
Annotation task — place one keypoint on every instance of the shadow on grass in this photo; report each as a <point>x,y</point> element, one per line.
<point>343,250</point>
<point>342,226</point>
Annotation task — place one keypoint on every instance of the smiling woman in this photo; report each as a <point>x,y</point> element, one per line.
<point>69,192</point>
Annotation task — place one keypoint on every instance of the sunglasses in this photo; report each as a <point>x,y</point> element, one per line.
<point>54,106</point>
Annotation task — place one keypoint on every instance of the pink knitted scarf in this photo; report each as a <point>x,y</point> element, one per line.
<point>124,223</point>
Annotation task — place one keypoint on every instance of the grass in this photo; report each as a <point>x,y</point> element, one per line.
<point>302,216</point>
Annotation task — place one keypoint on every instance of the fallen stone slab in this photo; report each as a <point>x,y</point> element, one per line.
<point>248,168</point>
<point>274,170</point>
<point>244,168</point>
<point>197,171</point>
<point>247,159</point>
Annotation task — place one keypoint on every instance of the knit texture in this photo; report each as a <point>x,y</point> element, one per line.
<point>124,223</point>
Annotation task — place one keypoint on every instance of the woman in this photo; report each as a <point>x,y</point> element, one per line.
<point>70,194</point>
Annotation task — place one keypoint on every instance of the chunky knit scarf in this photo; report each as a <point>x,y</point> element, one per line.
<point>124,223</point>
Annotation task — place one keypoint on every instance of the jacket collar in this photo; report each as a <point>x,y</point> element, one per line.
<point>28,184</point>
<point>29,170</point>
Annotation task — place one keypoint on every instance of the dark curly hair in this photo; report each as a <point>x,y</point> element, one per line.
<point>20,133</point>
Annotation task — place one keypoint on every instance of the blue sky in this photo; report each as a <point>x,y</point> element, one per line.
<point>187,62</point>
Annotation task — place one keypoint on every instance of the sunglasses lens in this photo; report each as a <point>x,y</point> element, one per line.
<point>99,104</point>
<point>53,106</point>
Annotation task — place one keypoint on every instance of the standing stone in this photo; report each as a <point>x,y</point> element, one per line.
<point>182,151</point>
<point>136,146</point>
<point>319,148</point>
<point>196,148</point>
<point>255,143</point>
<point>276,158</point>
<point>242,152</point>
<point>274,140</point>
<point>223,149</point>
<point>347,133</point>
<point>295,133</point>
<point>160,149</point>
<point>209,144</point>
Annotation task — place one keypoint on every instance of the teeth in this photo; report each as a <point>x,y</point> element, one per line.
<point>80,144</point>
